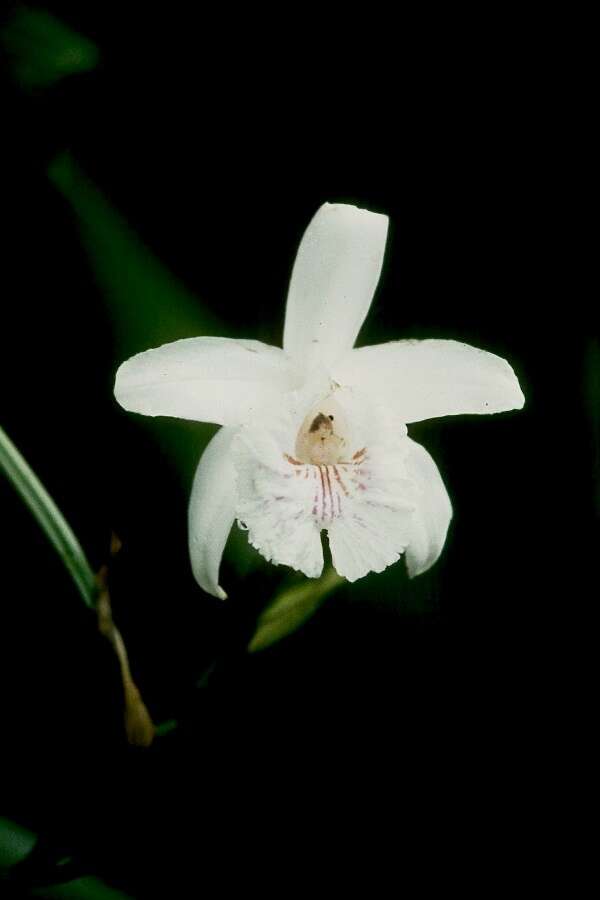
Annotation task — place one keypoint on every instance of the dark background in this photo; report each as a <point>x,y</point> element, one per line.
<point>401,704</point>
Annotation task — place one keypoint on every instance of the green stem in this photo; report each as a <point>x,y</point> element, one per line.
<point>49,517</point>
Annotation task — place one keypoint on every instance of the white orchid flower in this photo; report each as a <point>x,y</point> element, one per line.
<point>314,436</point>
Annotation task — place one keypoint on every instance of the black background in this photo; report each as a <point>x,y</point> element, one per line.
<point>414,706</point>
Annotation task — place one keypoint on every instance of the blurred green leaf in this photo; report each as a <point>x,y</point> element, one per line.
<point>16,843</point>
<point>148,307</point>
<point>165,727</point>
<point>41,49</point>
<point>49,518</point>
<point>292,608</point>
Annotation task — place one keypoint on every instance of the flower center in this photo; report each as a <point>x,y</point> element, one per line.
<point>322,438</point>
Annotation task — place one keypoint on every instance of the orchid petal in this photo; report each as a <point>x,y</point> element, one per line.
<point>432,514</point>
<point>378,504</point>
<point>212,510</point>
<point>333,281</point>
<point>207,379</point>
<point>424,379</point>
<point>274,506</point>
<point>368,539</point>
<point>364,499</point>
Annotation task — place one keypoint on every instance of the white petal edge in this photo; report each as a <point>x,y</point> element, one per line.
<point>206,379</point>
<point>433,511</point>
<point>425,379</point>
<point>369,542</point>
<point>333,281</point>
<point>273,505</point>
<point>211,510</point>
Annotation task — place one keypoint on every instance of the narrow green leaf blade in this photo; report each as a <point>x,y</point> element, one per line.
<point>49,517</point>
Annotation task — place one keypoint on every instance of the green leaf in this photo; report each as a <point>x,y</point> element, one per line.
<point>16,843</point>
<point>41,49</point>
<point>165,727</point>
<point>148,307</point>
<point>49,517</point>
<point>292,608</point>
